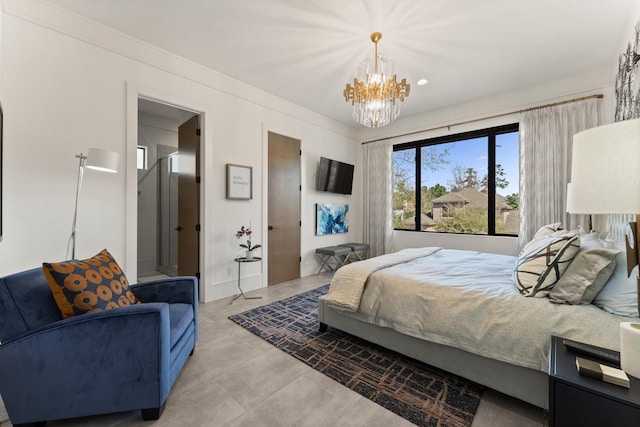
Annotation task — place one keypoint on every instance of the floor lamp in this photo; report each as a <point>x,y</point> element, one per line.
<point>97,159</point>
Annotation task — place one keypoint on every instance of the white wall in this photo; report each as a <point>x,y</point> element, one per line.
<point>337,151</point>
<point>69,85</point>
<point>2,185</point>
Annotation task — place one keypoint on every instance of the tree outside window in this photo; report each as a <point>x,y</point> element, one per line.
<point>468,183</point>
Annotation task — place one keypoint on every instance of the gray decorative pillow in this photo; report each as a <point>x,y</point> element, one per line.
<point>585,277</point>
<point>542,262</point>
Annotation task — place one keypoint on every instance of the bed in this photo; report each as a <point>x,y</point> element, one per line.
<point>460,311</point>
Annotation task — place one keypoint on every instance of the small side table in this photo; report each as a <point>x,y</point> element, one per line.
<point>240,261</point>
<point>578,400</point>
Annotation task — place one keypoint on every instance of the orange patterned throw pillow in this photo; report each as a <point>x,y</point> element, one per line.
<point>87,286</point>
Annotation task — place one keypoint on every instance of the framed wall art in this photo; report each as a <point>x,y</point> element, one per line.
<point>627,87</point>
<point>239,182</point>
<point>331,218</point>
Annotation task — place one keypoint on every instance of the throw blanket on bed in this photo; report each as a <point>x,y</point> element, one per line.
<point>348,282</point>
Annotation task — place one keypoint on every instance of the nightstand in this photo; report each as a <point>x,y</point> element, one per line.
<point>577,400</point>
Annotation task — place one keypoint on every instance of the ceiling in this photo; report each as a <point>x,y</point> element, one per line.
<point>305,51</point>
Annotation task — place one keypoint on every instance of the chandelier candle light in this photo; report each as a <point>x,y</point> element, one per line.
<point>376,97</point>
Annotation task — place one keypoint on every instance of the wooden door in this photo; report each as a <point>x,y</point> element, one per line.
<point>189,198</point>
<point>284,208</point>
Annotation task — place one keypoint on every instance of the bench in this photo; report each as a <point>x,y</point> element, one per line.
<point>358,250</point>
<point>332,257</point>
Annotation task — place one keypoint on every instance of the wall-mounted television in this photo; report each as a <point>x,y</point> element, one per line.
<point>334,176</point>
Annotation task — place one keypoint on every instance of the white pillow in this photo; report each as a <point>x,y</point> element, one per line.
<point>620,294</point>
<point>548,229</point>
<point>543,261</point>
<point>595,240</point>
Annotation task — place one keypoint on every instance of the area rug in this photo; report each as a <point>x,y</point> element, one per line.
<point>424,395</point>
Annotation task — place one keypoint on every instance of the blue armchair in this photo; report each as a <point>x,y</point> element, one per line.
<point>110,361</point>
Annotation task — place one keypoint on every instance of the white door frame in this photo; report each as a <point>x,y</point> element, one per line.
<point>133,92</point>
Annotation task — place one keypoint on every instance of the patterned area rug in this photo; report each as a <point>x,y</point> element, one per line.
<point>422,394</point>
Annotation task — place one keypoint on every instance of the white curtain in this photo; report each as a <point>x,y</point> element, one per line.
<point>377,191</point>
<point>546,141</point>
<point>617,226</point>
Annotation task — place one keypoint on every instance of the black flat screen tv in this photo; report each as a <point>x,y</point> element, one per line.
<point>334,176</point>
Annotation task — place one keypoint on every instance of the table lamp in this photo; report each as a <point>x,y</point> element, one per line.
<point>605,179</point>
<point>96,159</point>
<point>605,176</point>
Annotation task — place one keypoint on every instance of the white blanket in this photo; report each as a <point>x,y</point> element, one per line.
<point>348,282</point>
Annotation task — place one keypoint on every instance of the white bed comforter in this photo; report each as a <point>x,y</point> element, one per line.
<point>468,300</point>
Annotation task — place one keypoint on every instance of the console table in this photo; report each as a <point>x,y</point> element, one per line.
<point>240,261</point>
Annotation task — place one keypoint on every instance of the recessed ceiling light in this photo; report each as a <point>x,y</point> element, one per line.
<point>422,82</point>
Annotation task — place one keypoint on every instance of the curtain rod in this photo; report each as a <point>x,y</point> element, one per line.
<point>554,104</point>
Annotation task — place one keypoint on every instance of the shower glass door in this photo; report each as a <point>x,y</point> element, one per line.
<point>168,214</point>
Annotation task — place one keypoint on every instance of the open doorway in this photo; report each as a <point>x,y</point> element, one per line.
<point>168,190</point>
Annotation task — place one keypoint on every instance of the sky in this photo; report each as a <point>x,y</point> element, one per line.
<point>472,153</point>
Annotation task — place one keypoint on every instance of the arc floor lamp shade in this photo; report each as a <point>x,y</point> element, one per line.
<point>102,160</point>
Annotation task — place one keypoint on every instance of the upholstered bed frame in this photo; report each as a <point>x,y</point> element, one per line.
<point>526,384</point>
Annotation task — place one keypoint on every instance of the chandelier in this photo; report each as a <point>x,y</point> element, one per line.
<point>376,95</point>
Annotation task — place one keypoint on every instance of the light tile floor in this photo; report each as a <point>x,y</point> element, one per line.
<point>236,379</point>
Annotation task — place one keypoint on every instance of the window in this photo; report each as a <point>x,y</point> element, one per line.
<point>468,183</point>
<point>142,157</point>
<point>174,163</point>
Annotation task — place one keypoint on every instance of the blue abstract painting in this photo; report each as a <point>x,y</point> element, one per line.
<point>331,218</point>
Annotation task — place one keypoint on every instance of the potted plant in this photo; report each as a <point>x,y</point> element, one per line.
<point>246,231</point>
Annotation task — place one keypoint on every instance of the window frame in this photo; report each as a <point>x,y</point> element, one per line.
<point>490,134</point>
<point>145,157</point>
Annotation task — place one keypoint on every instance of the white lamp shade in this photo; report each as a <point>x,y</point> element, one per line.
<point>605,175</point>
<point>102,160</point>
